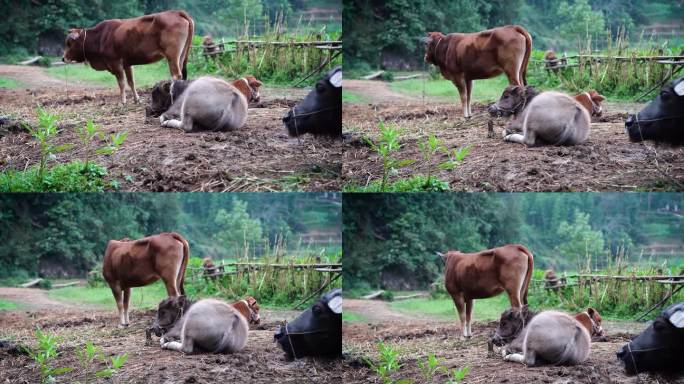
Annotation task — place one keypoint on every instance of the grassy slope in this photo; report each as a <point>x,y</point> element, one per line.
<point>145,75</point>
<point>483,90</point>
<point>141,298</point>
<point>484,309</point>
<point>8,305</point>
<point>9,83</point>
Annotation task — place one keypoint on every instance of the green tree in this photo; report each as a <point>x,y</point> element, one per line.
<point>577,19</point>
<point>236,229</point>
<point>579,240</point>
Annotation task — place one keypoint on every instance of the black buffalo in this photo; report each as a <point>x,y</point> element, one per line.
<point>660,347</point>
<point>316,331</point>
<point>320,113</point>
<point>662,119</point>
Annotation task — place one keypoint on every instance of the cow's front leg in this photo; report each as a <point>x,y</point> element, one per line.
<point>172,123</point>
<point>515,357</point>
<point>515,138</point>
<point>173,345</point>
<point>131,83</point>
<point>119,73</point>
<point>463,94</point>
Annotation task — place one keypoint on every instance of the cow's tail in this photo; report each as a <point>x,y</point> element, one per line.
<point>184,263</point>
<point>528,275</point>
<point>188,43</point>
<point>528,52</point>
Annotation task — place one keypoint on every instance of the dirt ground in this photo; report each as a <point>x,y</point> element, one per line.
<point>258,157</point>
<point>608,161</point>
<point>262,361</point>
<point>415,339</point>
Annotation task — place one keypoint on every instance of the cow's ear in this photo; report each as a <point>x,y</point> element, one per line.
<point>677,318</point>
<point>591,312</point>
<point>679,88</point>
<point>336,79</point>
<point>529,90</point>
<point>335,304</point>
<point>166,86</point>
<point>599,98</point>
<point>180,301</point>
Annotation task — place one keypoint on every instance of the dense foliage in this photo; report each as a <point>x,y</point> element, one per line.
<point>31,23</point>
<point>375,31</point>
<point>390,239</point>
<point>66,234</point>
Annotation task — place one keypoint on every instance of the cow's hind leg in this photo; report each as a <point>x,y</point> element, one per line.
<point>515,138</point>
<point>118,297</point>
<point>172,123</point>
<point>469,312</point>
<point>459,302</point>
<point>131,83</point>
<point>173,345</point>
<point>126,300</point>
<point>119,73</point>
<point>515,357</point>
<point>463,94</point>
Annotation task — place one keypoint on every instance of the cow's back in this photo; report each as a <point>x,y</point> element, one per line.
<point>557,338</point>
<point>557,118</point>
<point>215,104</point>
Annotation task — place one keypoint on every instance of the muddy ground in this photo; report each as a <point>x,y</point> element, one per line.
<point>258,157</point>
<point>416,338</point>
<point>608,161</point>
<point>262,361</point>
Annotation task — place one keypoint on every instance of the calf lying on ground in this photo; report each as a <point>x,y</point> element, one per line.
<point>548,337</point>
<point>208,325</point>
<point>544,118</point>
<point>207,103</point>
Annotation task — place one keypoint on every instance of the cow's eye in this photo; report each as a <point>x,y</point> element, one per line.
<point>320,87</point>
<point>664,94</point>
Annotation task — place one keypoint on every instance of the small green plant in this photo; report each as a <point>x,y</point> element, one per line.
<point>387,364</point>
<point>431,147</point>
<point>429,367</point>
<point>387,144</point>
<point>46,130</point>
<point>90,132</point>
<point>44,354</point>
<point>456,376</point>
<point>91,354</point>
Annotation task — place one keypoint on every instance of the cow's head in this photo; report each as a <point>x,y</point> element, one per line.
<point>511,323</point>
<point>320,113</point>
<point>164,93</point>
<point>315,332</point>
<point>591,101</point>
<point>169,312</point>
<point>254,85</point>
<point>432,42</point>
<point>253,310</point>
<point>513,100</point>
<point>596,324</point>
<point>662,119</point>
<point>658,348</point>
<point>74,51</point>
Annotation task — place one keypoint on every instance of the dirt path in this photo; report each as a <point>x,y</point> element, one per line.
<point>376,91</point>
<point>375,311</point>
<point>35,78</point>
<point>33,299</point>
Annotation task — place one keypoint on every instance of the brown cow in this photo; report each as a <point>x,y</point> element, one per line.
<point>469,276</point>
<point>249,308</point>
<point>116,45</point>
<point>141,262</point>
<point>464,57</point>
<point>591,101</point>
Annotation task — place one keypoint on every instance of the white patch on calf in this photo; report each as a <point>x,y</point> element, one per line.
<point>336,79</point>
<point>677,318</point>
<point>335,304</point>
<point>679,88</point>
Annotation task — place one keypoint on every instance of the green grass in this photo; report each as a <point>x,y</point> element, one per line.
<point>483,90</point>
<point>8,305</point>
<point>141,298</point>
<point>353,317</point>
<point>145,75</point>
<point>9,83</point>
<point>353,97</point>
<point>69,177</point>
<point>484,309</point>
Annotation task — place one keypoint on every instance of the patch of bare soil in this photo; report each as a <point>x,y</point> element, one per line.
<point>31,299</point>
<point>262,361</point>
<point>608,161</point>
<point>258,157</point>
<point>415,340</point>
